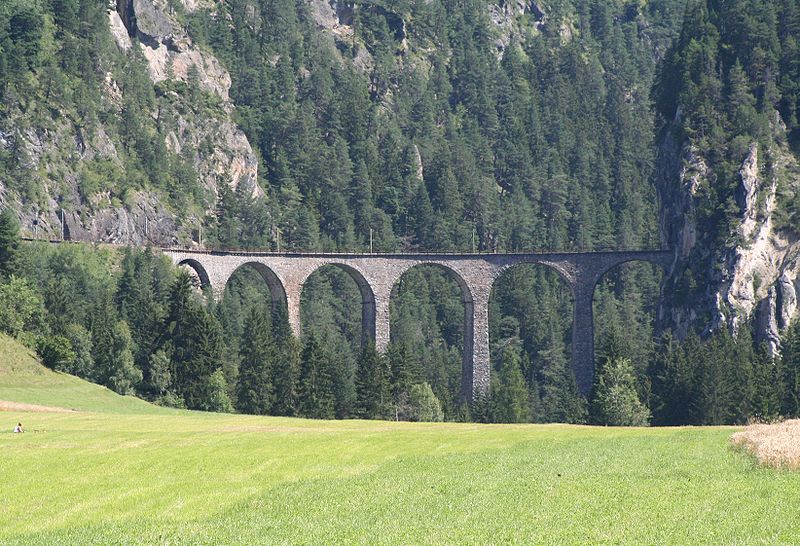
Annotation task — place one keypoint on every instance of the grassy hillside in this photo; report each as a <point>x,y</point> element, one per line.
<point>23,379</point>
<point>128,472</point>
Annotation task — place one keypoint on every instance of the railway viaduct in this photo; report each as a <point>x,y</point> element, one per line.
<point>377,275</point>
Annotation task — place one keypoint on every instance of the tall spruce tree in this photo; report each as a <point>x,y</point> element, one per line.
<point>255,388</point>
<point>287,372</point>
<point>561,402</point>
<point>373,385</point>
<point>9,242</point>
<point>315,385</point>
<point>510,402</point>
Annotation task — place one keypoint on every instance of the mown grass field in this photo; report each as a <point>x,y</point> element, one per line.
<point>121,471</point>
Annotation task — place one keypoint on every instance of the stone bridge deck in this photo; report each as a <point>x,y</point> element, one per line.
<point>377,275</point>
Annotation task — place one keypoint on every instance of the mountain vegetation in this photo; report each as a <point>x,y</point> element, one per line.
<point>449,125</point>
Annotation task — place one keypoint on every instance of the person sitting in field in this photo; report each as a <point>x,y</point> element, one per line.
<point>19,428</point>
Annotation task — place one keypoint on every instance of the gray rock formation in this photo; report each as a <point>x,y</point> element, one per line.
<point>753,277</point>
<point>505,14</point>
<point>58,153</point>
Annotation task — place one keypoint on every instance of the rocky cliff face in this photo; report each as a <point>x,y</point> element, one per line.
<point>220,151</point>
<point>754,275</point>
<point>58,152</point>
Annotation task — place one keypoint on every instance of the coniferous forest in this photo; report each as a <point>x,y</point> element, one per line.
<point>441,141</point>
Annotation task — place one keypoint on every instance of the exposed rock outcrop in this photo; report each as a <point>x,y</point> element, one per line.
<point>754,275</point>
<point>505,15</point>
<point>171,55</point>
<point>60,155</point>
<point>168,49</point>
<point>145,222</point>
<point>233,163</point>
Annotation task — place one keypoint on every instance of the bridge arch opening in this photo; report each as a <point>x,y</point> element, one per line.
<point>337,308</point>
<point>530,329</point>
<point>253,284</point>
<point>255,275</point>
<point>335,291</point>
<point>431,332</point>
<point>198,272</point>
<point>625,307</point>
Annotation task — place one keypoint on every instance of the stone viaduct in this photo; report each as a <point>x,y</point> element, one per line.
<point>377,275</point>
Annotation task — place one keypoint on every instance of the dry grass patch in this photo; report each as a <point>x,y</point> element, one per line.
<point>36,408</point>
<point>776,445</point>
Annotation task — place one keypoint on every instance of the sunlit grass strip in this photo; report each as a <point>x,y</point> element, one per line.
<point>776,445</point>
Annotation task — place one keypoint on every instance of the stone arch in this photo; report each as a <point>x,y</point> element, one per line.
<point>647,301</point>
<point>468,350</point>
<point>466,293</point>
<point>367,297</point>
<point>274,283</point>
<point>531,325</point>
<point>661,259</point>
<point>198,268</point>
<point>560,267</point>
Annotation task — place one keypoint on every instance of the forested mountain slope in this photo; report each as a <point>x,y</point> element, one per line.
<point>528,124</point>
<point>441,125</point>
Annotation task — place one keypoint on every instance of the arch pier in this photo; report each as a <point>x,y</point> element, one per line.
<point>377,274</point>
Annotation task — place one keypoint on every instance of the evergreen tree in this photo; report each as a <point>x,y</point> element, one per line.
<point>373,385</point>
<point>315,392</point>
<point>287,370</point>
<point>672,382</point>
<point>615,400</point>
<point>405,373</point>
<point>767,386</point>
<point>560,401</point>
<point>790,359</point>
<point>9,242</point>
<point>255,388</point>
<point>510,402</point>
<point>193,339</point>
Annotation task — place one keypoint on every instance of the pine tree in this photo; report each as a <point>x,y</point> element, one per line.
<point>740,370</point>
<point>315,394</point>
<point>671,378</point>
<point>9,243</point>
<point>615,401</point>
<point>790,358</point>
<point>287,371</point>
<point>193,338</point>
<point>510,402</point>
<point>767,385</point>
<point>405,373</point>
<point>373,385</point>
<point>560,401</point>
<point>714,381</point>
<point>255,387</point>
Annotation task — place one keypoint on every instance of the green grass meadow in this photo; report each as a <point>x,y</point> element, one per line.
<point>120,471</point>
